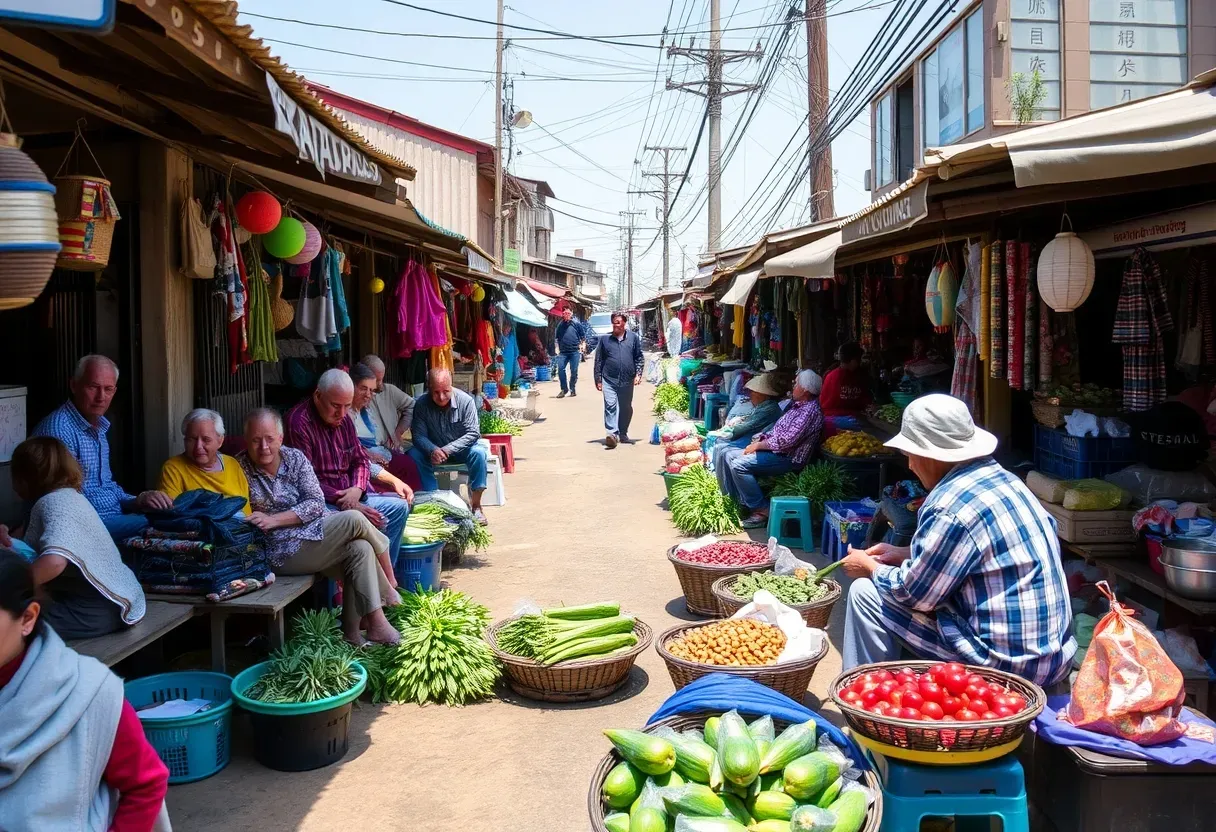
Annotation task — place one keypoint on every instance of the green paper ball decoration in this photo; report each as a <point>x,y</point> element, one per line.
<point>286,240</point>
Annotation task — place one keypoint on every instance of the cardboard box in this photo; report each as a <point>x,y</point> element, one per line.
<point>1092,526</point>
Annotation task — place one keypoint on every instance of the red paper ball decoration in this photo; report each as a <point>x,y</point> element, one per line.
<point>258,212</point>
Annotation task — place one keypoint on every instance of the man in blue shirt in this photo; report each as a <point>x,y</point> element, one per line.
<point>570,339</point>
<point>446,430</point>
<point>618,369</point>
<point>80,424</point>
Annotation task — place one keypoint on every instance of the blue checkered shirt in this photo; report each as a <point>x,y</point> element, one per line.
<point>92,450</point>
<point>984,584</point>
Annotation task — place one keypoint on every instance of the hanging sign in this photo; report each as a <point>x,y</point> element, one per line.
<point>1175,229</point>
<point>510,261</point>
<point>900,213</point>
<point>316,143</point>
<point>96,16</point>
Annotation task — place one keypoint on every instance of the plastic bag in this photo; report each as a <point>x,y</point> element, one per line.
<point>786,563</point>
<point>1147,485</point>
<point>811,818</point>
<point>677,428</point>
<point>684,445</point>
<point>1183,651</point>
<point>1127,686</point>
<point>1093,495</point>
<point>651,797</point>
<point>801,641</point>
<point>1080,423</point>
<point>762,730</point>
<point>687,823</point>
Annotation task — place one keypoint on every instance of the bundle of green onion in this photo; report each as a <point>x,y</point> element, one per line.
<point>427,526</point>
<point>565,633</point>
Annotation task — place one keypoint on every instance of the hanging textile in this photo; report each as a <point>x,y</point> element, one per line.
<point>1030,349</point>
<point>1141,320</point>
<point>1196,345</point>
<point>984,310</point>
<point>332,264</point>
<point>314,307</point>
<point>441,354</point>
<point>966,350</point>
<point>737,328</point>
<point>1015,316</point>
<point>231,283</point>
<point>421,319</point>
<point>997,311</point>
<point>1046,345</point>
<point>868,287</point>
<point>262,344</point>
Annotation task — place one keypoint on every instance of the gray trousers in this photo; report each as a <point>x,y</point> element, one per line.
<point>347,551</point>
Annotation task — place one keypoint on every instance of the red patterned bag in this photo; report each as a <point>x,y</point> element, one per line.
<point>1127,686</point>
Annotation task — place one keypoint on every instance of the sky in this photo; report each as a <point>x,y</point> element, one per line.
<point>596,105</point>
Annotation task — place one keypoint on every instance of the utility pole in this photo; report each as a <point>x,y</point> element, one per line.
<point>627,228</point>
<point>822,204</point>
<point>664,217</point>
<point>498,160</point>
<point>713,89</point>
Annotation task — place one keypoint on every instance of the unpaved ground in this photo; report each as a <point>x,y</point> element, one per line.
<point>581,524</point>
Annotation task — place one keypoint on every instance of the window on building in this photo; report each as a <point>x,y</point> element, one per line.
<point>884,140</point>
<point>952,80</point>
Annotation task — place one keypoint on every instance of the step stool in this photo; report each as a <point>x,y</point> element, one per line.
<point>694,400</point>
<point>970,794</point>
<point>496,492</point>
<point>712,402</point>
<point>791,508</point>
<point>500,445</point>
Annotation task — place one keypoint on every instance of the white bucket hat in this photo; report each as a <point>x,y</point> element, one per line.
<point>763,383</point>
<point>940,427</point>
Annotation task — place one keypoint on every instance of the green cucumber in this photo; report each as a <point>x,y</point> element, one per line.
<point>623,785</point>
<point>617,822</point>
<point>650,754</point>
<point>646,819</point>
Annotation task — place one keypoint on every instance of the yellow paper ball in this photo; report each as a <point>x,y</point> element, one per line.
<point>377,285</point>
<point>479,294</point>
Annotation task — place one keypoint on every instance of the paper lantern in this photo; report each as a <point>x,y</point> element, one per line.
<point>1066,272</point>
<point>377,285</point>
<point>479,294</point>
<point>258,212</point>
<point>29,226</point>
<point>286,240</point>
<point>941,296</point>
<point>312,246</point>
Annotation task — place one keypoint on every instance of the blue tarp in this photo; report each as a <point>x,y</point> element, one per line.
<point>519,308</point>
<point>1179,752</point>
<point>720,692</point>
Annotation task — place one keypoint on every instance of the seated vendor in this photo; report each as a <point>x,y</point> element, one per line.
<point>982,581</point>
<point>446,432</point>
<point>846,389</point>
<point>788,446</point>
<point>763,395</point>
<point>202,466</point>
<point>392,471</point>
<point>88,589</point>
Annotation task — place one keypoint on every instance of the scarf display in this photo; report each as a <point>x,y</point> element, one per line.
<point>1046,345</point>
<point>984,311</point>
<point>1030,326</point>
<point>967,311</point>
<point>1015,316</point>
<point>231,282</point>
<point>1141,320</point>
<point>997,311</point>
<point>419,314</point>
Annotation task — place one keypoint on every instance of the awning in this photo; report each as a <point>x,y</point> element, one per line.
<point>813,260</point>
<point>741,287</point>
<point>1168,132</point>
<point>545,288</point>
<point>522,310</point>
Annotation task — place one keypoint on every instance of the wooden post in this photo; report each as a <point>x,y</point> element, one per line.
<point>997,396</point>
<point>166,302</point>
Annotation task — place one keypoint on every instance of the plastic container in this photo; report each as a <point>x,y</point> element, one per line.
<point>903,399</point>
<point>418,563</point>
<point>543,374</point>
<point>1078,457</point>
<point>191,747</point>
<point>835,546</point>
<point>490,389</point>
<point>298,737</point>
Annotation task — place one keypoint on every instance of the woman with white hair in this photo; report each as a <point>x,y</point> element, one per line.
<point>787,446</point>
<point>202,466</point>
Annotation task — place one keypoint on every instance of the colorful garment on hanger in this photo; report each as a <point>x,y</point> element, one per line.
<point>332,264</point>
<point>262,344</point>
<point>996,323</point>
<point>868,288</point>
<point>232,283</point>
<point>966,349</point>
<point>1030,328</point>
<point>314,319</point>
<point>1197,320</point>
<point>1141,320</point>
<point>1046,345</point>
<point>418,316</point>
<point>738,327</point>
<point>984,306</point>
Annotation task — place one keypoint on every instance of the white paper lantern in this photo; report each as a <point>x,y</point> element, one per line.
<point>1066,272</point>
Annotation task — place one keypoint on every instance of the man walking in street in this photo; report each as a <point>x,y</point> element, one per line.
<point>570,343</point>
<point>618,369</point>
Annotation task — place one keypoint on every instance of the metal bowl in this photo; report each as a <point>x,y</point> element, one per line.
<point>1190,554</point>
<point>1198,584</point>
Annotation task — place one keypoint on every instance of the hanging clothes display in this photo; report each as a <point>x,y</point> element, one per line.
<point>738,327</point>
<point>441,354</point>
<point>231,282</point>
<point>1197,343</point>
<point>315,319</point>
<point>420,318</point>
<point>966,322</point>
<point>984,310</point>
<point>1015,316</point>
<point>1141,320</point>
<point>868,288</point>
<point>1030,329</point>
<point>332,267</point>
<point>262,345</point>
<point>996,323</point>
<point>1046,345</point>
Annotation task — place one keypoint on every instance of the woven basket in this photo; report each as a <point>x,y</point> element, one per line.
<point>960,736</point>
<point>791,678</point>
<point>814,613</point>
<point>23,276</point>
<point>685,722</point>
<point>574,681</point>
<point>1052,415</point>
<point>86,239</point>
<point>697,581</point>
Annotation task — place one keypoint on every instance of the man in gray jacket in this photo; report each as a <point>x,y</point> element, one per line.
<point>446,430</point>
<point>618,369</point>
<point>391,407</point>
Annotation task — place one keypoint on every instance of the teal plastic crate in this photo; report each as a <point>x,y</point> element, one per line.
<point>191,747</point>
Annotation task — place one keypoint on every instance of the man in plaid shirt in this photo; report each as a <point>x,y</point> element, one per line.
<point>982,581</point>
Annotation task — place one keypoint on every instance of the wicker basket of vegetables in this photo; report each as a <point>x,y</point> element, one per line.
<point>812,596</point>
<point>749,649</point>
<point>699,568</point>
<point>569,654</point>
<point>683,767</point>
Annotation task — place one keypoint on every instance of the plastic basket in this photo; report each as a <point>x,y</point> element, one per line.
<point>419,563</point>
<point>543,374</point>
<point>191,747</point>
<point>1079,457</point>
<point>903,399</point>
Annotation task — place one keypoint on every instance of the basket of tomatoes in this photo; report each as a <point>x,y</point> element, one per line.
<point>927,706</point>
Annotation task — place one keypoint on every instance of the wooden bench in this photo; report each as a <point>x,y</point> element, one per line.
<point>270,601</point>
<point>159,619</point>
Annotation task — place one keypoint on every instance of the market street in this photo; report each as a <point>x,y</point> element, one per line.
<point>581,524</point>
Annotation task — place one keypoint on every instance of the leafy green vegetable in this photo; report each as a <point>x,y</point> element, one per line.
<point>892,413</point>
<point>316,663</point>
<point>787,588</point>
<point>669,396</point>
<point>819,483</point>
<point>492,423</point>
<point>698,506</point>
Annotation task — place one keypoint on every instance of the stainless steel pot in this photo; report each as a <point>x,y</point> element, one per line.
<point>1198,584</point>
<point>1190,554</point>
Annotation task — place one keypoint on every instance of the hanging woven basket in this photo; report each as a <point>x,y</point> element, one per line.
<point>87,216</point>
<point>29,237</point>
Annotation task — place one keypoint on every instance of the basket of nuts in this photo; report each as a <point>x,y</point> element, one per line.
<point>743,647</point>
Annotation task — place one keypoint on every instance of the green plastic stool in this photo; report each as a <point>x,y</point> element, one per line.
<point>791,508</point>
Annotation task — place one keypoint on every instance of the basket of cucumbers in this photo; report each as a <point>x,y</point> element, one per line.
<point>709,772</point>
<point>569,654</point>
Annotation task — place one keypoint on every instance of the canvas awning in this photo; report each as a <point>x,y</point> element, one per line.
<point>813,260</point>
<point>522,310</point>
<point>1167,132</point>
<point>546,288</point>
<point>741,287</point>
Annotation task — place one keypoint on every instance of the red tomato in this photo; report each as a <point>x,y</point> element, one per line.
<point>990,715</point>
<point>932,710</point>
<point>909,713</point>
<point>906,676</point>
<point>975,679</point>
<point>955,683</point>
<point>1004,711</point>
<point>966,715</point>
<point>956,667</point>
<point>897,698</point>
<point>913,699</point>
<point>851,696</point>
<point>1017,702</point>
<point>936,670</point>
<point>886,689</point>
<point>977,705</point>
<point>868,679</point>
<point>883,708</point>
<point>979,691</point>
<point>877,710</point>
<point>949,718</point>
<point>883,675</point>
<point>930,691</point>
<point>950,704</point>
<point>869,698</point>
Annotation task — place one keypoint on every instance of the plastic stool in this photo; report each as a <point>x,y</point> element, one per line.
<point>912,792</point>
<point>451,477</point>
<point>694,400</point>
<point>791,508</point>
<point>500,445</point>
<point>496,492</point>
<point>712,402</point>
